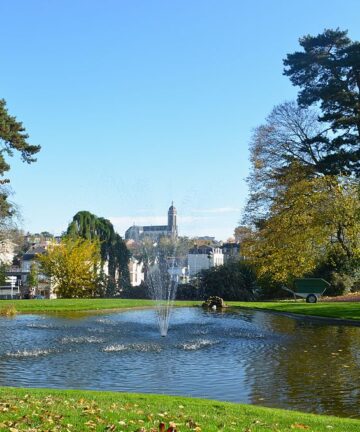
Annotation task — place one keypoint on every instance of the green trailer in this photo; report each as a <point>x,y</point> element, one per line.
<point>309,288</point>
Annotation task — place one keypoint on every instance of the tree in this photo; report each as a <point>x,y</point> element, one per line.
<point>113,250</point>
<point>33,278</point>
<point>289,145</point>
<point>308,220</point>
<point>328,74</point>
<point>3,269</point>
<point>299,215</point>
<point>232,281</point>
<point>303,206</point>
<point>241,233</point>
<point>73,266</point>
<point>12,138</point>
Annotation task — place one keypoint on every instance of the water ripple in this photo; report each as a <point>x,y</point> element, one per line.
<point>38,352</point>
<point>196,345</point>
<point>139,347</point>
<point>81,339</point>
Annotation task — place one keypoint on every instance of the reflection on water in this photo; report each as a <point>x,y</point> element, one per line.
<point>251,357</point>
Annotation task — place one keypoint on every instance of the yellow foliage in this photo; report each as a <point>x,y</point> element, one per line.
<point>73,266</point>
<point>307,219</point>
<point>8,310</point>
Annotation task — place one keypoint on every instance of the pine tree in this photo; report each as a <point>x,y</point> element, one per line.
<point>327,71</point>
<point>12,138</point>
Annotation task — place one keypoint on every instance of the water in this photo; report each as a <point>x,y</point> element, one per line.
<point>250,357</point>
<point>163,291</point>
<point>161,279</point>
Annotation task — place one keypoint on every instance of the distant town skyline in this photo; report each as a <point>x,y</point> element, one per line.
<point>136,104</point>
<point>196,223</point>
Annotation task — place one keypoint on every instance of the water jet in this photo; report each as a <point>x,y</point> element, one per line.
<point>162,281</point>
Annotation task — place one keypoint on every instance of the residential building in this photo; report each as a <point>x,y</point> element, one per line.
<point>44,287</point>
<point>231,252</point>
<point>136,272</point>
<point>203,258</point>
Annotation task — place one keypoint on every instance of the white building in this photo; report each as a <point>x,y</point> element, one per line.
<point>203,258</point>
<point>45,287</point>
<point>7,251</point>
<point>179,274</point>
<point>136,272</point>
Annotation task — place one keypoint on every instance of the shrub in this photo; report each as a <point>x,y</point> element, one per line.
<point>189,292</point>
<point>232,281</point>
<point>339,284</point>
<point>342,273</point>
<point>137,292</point>
<point>270,289</point>
<point>8,310</point>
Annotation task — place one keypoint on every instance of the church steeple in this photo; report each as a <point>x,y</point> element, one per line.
<point>172,222</point>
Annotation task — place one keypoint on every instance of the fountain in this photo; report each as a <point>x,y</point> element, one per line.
<point>162,280</point>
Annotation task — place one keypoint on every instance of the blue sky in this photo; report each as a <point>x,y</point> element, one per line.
<point>137,103</point>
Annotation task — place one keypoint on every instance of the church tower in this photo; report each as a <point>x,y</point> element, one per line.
<point>172,225</point>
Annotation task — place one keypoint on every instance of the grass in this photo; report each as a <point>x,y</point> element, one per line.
<point>341,310</point>
<point>38,410</point>
<point>69,305</point>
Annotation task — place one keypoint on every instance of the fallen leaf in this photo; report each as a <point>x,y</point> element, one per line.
<point>299,426</point>
<point>191,424</point>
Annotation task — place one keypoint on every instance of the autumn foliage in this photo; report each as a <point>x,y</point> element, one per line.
<point>73,266</point>
<point>303,210</point>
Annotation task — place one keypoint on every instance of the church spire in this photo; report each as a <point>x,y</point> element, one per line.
<point>172,222</point>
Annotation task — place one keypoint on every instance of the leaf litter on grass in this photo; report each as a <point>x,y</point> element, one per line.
<point>56,413</point>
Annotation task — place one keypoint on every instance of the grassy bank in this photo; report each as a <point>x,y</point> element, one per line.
<point>71,410</point>
<point>339,310</point>
<point>69,305</point>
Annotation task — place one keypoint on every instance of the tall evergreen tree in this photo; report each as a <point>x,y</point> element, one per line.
<point>328,74</point>
<point>113,250</point>
<point>12,138</point>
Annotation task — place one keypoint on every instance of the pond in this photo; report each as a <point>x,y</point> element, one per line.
<point>240,356</point>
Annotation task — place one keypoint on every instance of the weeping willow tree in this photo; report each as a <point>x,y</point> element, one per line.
<point>114,253</point>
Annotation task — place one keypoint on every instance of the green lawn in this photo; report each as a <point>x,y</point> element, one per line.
<point>72,410</point>
<point>350,310</point>
<point>343,310</point>
<point>68,305</point>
